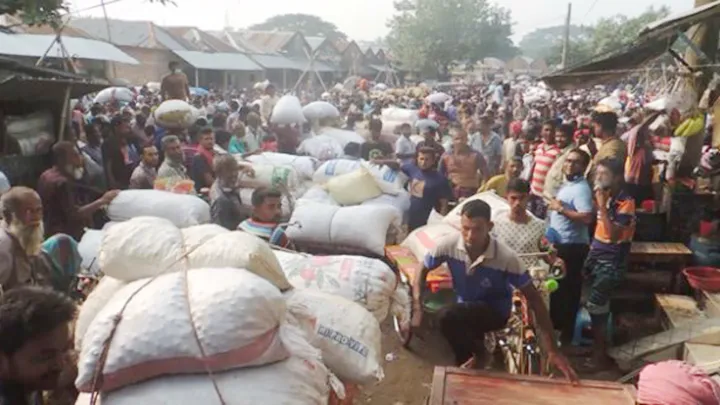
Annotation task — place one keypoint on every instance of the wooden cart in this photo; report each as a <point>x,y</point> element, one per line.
<point>454,386</point>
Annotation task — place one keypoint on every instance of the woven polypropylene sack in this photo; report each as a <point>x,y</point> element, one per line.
<point>353,188</point>
<point>93,304</point>
<point>232,314</point>
<point>182,210</point>
<point>348,336</point>
<point>368,282</point>
<point>289,382</point>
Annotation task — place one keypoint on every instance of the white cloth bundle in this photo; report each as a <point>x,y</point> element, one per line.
<point>319,110</point>
<point>175,114</point>
<point>390,181</point>
<point>343,137</point>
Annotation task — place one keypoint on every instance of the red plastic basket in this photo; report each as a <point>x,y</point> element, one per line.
<point>704,278</point>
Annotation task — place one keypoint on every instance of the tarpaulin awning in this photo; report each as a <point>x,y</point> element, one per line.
<point>82,48</point>
<point>39,89</point>
<point>609,67</point>
<point>219,61</point>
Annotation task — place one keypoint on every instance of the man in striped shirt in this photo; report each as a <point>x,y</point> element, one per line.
<point>545,156</point>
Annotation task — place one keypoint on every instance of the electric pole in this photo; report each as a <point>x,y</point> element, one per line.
<point>566,37</point>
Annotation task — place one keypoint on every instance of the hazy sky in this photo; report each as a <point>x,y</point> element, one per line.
<point>360,19</point>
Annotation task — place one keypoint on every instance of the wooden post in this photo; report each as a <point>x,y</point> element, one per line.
<point>64,113</point>
<point>566,37</point>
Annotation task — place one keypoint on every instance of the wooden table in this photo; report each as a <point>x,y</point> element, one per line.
<point>665,253</point>
<point>454,386</point>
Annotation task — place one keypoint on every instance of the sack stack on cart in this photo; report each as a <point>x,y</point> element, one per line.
<point>202,315</point>
<point>333,215</point>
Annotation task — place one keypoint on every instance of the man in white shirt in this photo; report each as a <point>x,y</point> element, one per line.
<point>404,147</point>
<point>519,230</point>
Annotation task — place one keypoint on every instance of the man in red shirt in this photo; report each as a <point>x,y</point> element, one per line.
<point>58,190</point>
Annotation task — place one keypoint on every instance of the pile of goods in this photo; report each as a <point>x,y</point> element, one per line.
<point>202,315</point>
<point>333,215</point>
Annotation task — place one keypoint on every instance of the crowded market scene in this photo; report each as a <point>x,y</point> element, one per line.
<point>404,226</point>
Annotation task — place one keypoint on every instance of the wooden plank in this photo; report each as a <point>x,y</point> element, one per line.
<point>638,352</point>
<point>657,248</point>
<point>677,309</point>
<point>706,357</point>
<point>461,387</point>
<point>437,391</point>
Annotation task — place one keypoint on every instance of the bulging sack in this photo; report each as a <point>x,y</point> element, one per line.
<point>349,227</point>
<point>174,114</point>
<point>390,181</point>
<point>147,246</point>
<point>353,188</point>
<point>290,382</point>
<point>497,204</point>
<point>344,137</point>
<point>321,147</point>
<point>188,322</point>
<point>95,302</point>
<point>89,249</point>
<point>304,165</point>
<point>365,281</point>
<point>287,111</point>
<point>272,176</point>
<point>182,210</point>
<point>424,239</point>
<point>319,110</point>
<point>348,336</point>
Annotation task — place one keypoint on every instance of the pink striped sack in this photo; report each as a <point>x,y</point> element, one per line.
<point>186,322</point>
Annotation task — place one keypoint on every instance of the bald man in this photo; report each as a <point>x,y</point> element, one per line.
<point>21,234</point>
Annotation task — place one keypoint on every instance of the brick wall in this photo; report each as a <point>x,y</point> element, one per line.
<point>153,65</point>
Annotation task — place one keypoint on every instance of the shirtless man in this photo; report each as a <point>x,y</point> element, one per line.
<point>175,84</point>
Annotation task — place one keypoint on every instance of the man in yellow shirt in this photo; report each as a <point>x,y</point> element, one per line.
<point>499,183</point>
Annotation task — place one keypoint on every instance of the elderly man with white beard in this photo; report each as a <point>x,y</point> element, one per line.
<point>21,234</point>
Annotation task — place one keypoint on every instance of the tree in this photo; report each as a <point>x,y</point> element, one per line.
<point>432,35</point>
<point>308,25</point>
<point>539,43</point>
<point>615,32</point>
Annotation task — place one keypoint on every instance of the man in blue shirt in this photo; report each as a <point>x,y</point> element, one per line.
<point>571,212</point>
<point>428,188</point>
<point>484,272</point>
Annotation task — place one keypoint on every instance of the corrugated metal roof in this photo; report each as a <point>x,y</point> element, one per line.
<point>142,34</point>
<point>272,41</point>
<point>82,48</point>
<point>277,62</point>
<point>318,65</point>
<point>381,68</point>
<point>219,61</point>
<point>315,42</point>
<point>200,40</point>
<point>241,43</point>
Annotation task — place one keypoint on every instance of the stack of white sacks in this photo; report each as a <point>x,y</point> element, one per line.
<point>202,315</point>
<point>354,207</point>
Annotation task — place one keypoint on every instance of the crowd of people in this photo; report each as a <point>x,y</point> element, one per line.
<point>568,176</point>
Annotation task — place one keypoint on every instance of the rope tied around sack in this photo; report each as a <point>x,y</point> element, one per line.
<point>100,366</point>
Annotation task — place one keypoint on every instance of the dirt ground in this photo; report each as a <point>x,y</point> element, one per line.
<point>408,375</point>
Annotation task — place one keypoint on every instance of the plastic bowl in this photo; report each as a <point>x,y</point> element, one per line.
<point>703,278</point>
